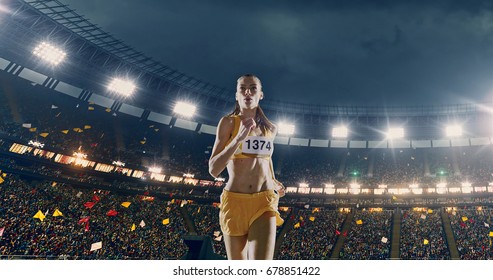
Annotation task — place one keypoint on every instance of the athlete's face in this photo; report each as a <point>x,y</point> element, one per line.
<point>249,92</point>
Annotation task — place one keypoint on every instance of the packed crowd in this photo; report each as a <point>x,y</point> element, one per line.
<point>422,236</point>
<point>70,220</point>
<point>369,236</point>
<point>206,221</point>
<point>314,235</point>
<point>472,232</point>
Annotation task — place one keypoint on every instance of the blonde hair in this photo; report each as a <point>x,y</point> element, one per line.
<point>260,118</point>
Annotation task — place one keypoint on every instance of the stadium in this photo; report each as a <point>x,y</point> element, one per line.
<point>94,167</point>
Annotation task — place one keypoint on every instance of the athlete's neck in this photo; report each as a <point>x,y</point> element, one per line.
<point>248,113</point>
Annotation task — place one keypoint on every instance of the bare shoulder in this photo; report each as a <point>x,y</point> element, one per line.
<point>226,121</point>
<point>225,126</point>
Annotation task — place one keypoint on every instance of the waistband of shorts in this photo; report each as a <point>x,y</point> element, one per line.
<point>249,195</point>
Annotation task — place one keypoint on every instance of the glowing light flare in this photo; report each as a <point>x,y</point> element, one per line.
<point>303,185</point>
<point>340,132</point>
<point>155,169</point>
<point>80,155</point>
<point>442,188</point>
<point>4,9</point>
<point>122,87</point>
<point>36,144</point>
<point>417,190</point>
<point>453,131</point>
<point>329,186</point>
<point>395,133</point>
<point>185,109</point>
<point>329,189</point>
<point>118,163</point>
<point>285,128</point>
<point>355,186</point>
<point>49,53</point>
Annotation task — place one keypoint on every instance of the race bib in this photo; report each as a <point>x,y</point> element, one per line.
<point>259,145</point>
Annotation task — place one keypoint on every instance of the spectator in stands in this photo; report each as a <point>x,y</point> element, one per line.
<point>249,202</point>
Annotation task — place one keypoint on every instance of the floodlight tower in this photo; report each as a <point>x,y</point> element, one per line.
<point>49,53</point>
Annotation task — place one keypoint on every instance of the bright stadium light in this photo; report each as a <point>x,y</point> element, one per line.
<point>121,87</point>
<point>354,188</point>
<point>36,144</point>
<point>395,133</point>
<point>184,109</point>
<point>118,163</point>
<point>415,189</point>
<point>442,188</point>
<point>329,188</point>
<point>3,8</point>
<point>155,169</point>
<point>453,130</point>
<point>285,129</point>
<point>466,187</point>
<point>49,53</point>
<point>339,132</point>
<point>79,155</point>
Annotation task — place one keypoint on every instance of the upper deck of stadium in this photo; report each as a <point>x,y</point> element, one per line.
<point>95,56</point>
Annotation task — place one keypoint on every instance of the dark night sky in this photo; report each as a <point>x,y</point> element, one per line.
<point>318,52</point>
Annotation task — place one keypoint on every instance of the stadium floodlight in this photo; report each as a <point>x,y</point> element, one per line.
<point>184,109</point>
<point>188,175</point>
<point>382,186</point>
<point>36,144</point>
<point>285,128</point>
<point>354,188</point>
<point>155,169</point>
<point>303,185</point>
<point>415,189</point>
<point>121,87</point>
<point>49,53</point>
<point>466,187</point>
<point>79,155</point>
<point>442,188</point>
<point>3,8</point>
<point>219,179</point>
<point>329,185</point>
<point>118,163</point>
<point>395,133</point>
<point>393,191</point>
<point>329,189</point>
<point>339,132</point>
<point>404,191</point>
<point>453,130</point>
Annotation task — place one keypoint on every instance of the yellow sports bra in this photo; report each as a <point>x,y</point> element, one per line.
<point>253,146</point>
